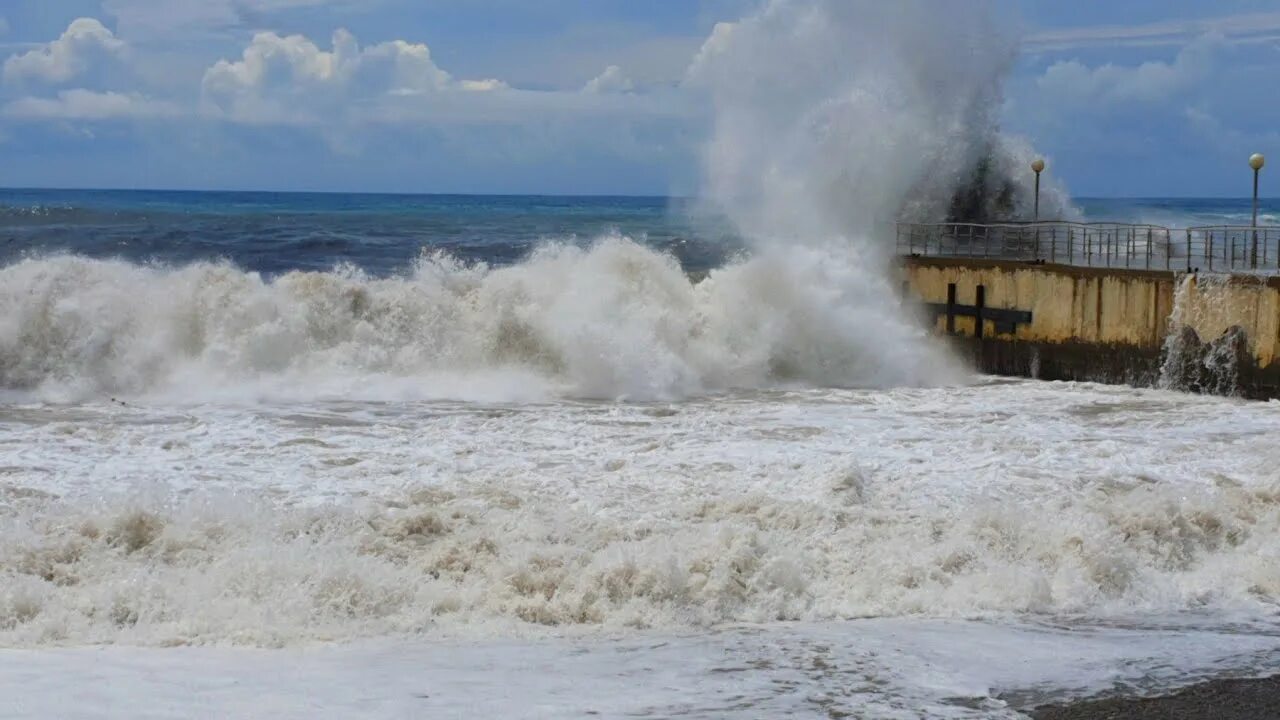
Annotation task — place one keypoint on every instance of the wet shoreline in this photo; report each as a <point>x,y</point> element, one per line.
<point>1226,699</point>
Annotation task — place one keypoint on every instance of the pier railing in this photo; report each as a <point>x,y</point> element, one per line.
<point>1225,248</point>
<point>1235,248</point>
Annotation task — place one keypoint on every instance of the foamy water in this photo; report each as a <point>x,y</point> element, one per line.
<point>585,483</point>
<point>764,492</point>
<point>641,535</point>
<point>616,320</point>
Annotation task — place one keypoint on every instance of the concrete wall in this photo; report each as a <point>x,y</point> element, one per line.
<point>1111,325</point>
<point>1213,305</point>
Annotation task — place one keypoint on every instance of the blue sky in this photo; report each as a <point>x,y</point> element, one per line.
<point>1134,98</point>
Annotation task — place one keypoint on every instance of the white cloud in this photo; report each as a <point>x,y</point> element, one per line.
<point>489,85</point>
<point>1070,83</point>
<point>1242,28</point>
<point>291,79</point>
<point>86,45</point>
<point>716,44</point>
<point>80,104</point>
<point>612,80</point>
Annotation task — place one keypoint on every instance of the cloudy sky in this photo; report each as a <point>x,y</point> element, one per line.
<point>1134,98</point>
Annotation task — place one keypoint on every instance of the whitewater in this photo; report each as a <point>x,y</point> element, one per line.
<point>614,320</point>
<point>941,551</point>
<point>319,458</point>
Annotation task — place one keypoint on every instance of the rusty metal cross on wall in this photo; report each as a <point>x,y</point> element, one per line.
<point>1005,321</point>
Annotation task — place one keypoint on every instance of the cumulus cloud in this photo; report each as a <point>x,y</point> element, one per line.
<point>612,80</point>
<point>1071,81</point>
<point>488,85</point>
<point>86,45</point>
<point>716,44</point>
<point>80,104</point>
<point>291,79</point>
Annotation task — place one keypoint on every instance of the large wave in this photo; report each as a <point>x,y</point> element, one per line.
<point>830,120</point>
<point>614,320</point>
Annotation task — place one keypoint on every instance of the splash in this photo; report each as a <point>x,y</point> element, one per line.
<point>830,120</point>
<point>616,320</point>
<point>1194,364</point>
<point>834,118</point>
<point>1178,364</point>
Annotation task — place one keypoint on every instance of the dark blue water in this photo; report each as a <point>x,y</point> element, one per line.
<point>383,234</point>
<point>276,232</point>
<point>1180,212</point>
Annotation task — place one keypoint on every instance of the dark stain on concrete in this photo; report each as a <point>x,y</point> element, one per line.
<point>1222,366</point>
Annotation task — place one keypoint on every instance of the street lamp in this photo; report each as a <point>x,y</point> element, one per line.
<point>1256,161</point>
<point>1037,166</point>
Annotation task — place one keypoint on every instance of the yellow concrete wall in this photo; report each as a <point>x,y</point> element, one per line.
<point>1091,305</point>
<point>1212,305</point>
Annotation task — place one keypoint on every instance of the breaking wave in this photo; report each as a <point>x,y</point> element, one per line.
<point>611,321</point>
<point>830,119</point>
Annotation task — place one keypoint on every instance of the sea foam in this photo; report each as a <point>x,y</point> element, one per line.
<point>275,526</point>
<point>613,320</point>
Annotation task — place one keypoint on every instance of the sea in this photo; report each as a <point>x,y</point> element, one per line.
<point>270,455</point>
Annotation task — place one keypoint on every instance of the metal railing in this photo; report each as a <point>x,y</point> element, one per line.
<point>1108,245</point>
<point>1234,248</point>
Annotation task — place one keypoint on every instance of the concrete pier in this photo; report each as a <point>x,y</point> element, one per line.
<point>1197,331</point>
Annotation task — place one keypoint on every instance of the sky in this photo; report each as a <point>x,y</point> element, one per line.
<point>1140,98</point>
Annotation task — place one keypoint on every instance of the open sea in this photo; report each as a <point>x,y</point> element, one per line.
<point>372,456</point>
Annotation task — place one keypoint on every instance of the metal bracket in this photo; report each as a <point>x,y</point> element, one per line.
<point>1005,321</point>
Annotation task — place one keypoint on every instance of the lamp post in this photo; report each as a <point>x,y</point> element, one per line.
<point>1037,166</point>
<point>1256,161</point>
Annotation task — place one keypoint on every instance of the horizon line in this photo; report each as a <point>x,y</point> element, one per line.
<point>411,193</point>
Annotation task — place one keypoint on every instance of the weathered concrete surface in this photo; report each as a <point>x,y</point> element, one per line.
<point>1206,334</point>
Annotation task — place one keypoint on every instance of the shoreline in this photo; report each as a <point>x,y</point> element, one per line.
<point>1222,699</point>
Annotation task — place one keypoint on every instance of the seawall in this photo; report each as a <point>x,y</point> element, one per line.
<point>1198,332</point>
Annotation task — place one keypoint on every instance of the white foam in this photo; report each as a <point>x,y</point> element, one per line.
<point>284,470</point>
<point>278,525</point>
<point>616,320</point>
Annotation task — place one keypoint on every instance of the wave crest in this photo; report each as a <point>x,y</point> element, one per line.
<point>609,321</point>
